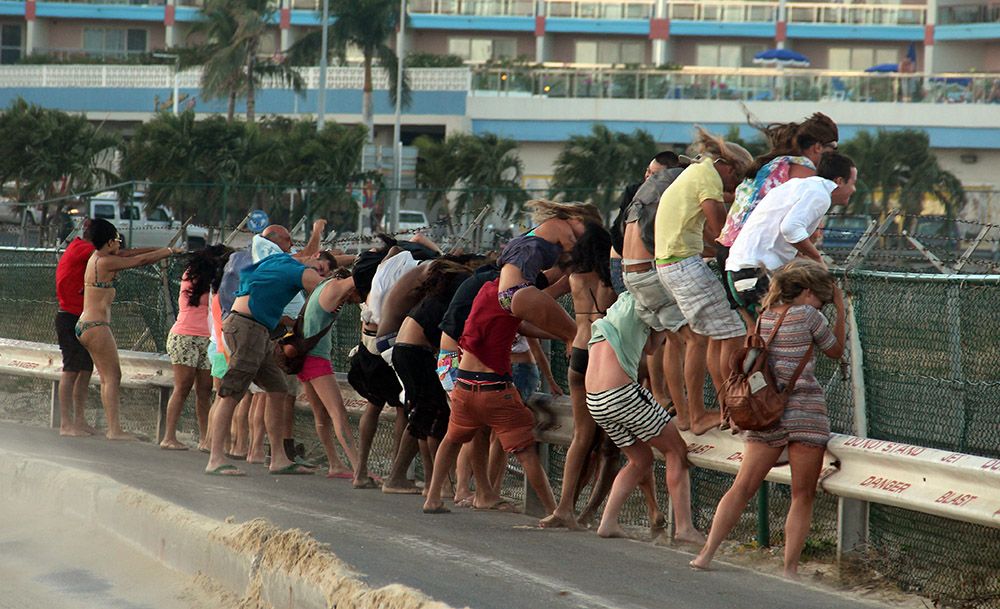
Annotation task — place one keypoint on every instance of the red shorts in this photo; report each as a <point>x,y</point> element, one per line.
<point>503,411</point>
<point>315,367</point>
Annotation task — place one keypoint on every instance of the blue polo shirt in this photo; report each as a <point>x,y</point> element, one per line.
<point>271,285</point>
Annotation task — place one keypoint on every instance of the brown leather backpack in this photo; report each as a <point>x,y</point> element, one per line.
<point>750,398</point>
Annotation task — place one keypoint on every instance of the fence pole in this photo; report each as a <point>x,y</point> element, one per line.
<point>852,514</point>
<point>763,523</point>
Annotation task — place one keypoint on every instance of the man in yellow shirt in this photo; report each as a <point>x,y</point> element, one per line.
<point>691,207</point>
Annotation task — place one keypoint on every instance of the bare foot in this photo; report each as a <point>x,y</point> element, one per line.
<point>172,445</point>
<point>657,525</point>
<point>256,458</point>
<point>555,520</point>
<point>366,483</point>
<point>700,564</point>
<point>407,488</point>
<point>73,432</point>
<point>611,531</point>
<point>682,423</point>
<point>792,575</point>
<point>119,436</point>
<point>709,420</point>
<point>460,497</point>
<point>691,538</point>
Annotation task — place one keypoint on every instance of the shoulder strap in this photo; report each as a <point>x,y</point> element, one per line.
<point>798,371</point>
<point>774,330</point>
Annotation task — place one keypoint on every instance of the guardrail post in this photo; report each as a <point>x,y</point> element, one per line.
<point>852,514</point>
<point>532,503</point>
<point>55,417</point>
<point>161,413</point>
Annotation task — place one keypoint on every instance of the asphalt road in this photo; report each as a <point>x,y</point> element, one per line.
<point>480,559</point>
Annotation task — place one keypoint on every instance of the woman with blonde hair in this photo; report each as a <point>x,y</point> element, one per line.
<point>798,292</point>
<point>557,227</point>
<point>94,328</point>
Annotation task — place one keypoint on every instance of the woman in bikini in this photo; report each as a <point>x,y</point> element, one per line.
<point>590,286</point>
<point>94,327</point>
<point>557,227</point>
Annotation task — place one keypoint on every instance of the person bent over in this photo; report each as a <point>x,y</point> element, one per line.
<point>633,420</point>
<point>485,396</point>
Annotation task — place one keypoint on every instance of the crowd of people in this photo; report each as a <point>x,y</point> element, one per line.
<point>703,250</point>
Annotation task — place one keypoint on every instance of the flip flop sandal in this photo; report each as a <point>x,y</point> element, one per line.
<point>437,510</point>
<point>341,476</point>
<point>500,506</point>
<point>236,457</point>
<point>295,469</point>
<point>370,483</point>
<point>225,470</point>
<point>305,463</point>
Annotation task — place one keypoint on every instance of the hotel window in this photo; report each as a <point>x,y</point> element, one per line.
<point>856,59</point>
<point>607,52</point>
<point>726,55</point>
<point>483,49</point>
<point>109,41</point>
<point>10,43</point>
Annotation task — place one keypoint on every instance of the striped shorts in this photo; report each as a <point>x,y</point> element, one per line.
<point>628,414</point>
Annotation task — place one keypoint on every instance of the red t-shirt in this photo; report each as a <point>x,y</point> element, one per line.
<point>69,275</point>
<point>489,330</point>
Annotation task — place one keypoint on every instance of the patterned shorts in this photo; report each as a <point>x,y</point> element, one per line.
<point>628,414</point>
<point>701,298</point>
<point>190,351</point>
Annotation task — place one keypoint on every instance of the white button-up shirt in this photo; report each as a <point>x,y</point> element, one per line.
<point>788,214</point>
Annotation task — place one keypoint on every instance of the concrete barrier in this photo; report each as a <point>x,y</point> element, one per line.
<point>255,561</point>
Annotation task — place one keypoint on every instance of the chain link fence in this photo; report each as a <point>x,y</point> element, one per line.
<point>931,344</point>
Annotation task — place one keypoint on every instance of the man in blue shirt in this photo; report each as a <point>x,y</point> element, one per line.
<point>266,287</point>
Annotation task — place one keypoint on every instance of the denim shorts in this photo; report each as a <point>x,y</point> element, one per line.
<point>526,379</point>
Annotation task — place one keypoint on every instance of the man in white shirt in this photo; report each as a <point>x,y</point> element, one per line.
<point>782,225</point>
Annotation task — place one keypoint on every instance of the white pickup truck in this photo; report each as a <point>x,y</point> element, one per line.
<point>139,227</point>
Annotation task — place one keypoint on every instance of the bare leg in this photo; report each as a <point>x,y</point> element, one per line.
<point>288,426</point>
<point>100,342</point>
<point>758,458</point>
<point>487,493</point>
<point>203,403</point>
<point>80,388</point>
<point>276,420</point>
<point>606,471</point>
<point>428,459</point>
<point>497,462</point>
<point>673,371</point>
<point>67,424</point>
<point>446,455</point>
<point>536,477</point>
<point>579,449</point>
<point>670,443</point>
<point>463,475</point>
<point>657,522</point>
<point>325,387</point>
<point>222,417</point>
<point>541,310</point>
<point>183,381</point>
<point>257,407</point>
<point>397,482</point>
<point>806,462</point>
<point>324,430</point>
<point>241,423</point>
<point>657,383</point>
<point>695,362</point>
<point>366,435</point>
<point>640,460</point>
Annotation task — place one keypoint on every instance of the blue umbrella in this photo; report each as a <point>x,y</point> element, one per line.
<point>781,57</point>
<point>884,67</point>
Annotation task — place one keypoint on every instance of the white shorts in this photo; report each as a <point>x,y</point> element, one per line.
<point>701,298</point>
<point>628,414</point>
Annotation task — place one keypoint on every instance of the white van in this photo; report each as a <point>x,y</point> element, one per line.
<point>140,228</point>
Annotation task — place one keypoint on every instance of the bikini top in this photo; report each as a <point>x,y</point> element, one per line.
<point>597,308</point>
<point>107,285</point>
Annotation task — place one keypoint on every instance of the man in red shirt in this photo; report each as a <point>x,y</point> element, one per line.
<point>77,365</point>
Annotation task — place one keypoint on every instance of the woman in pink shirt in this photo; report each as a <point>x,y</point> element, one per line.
<point>187,345</point>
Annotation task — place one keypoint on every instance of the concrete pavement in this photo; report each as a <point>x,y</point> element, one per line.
<point>480,559</point>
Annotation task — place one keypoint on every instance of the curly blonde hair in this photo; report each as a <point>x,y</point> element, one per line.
<point>544,209</point>
<point>718,148</point>
<point>798,275</point>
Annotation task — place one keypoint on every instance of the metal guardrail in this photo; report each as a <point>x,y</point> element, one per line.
<point>856,470</point>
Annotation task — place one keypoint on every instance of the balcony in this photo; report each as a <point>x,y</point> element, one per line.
<point>577,9</point>
<point>857,14</point>
<point>483,8</point>
<point>969,13</point>
<point>723,11</point>
<point>739,84</point>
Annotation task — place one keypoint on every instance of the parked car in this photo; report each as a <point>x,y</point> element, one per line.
<point>412,220</point>
<point>937,233</point>
<point>844,232</point>
<point>139,227</point>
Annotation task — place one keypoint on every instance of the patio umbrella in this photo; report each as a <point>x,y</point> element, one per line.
<point>884,67</point>
<point>781,58</point>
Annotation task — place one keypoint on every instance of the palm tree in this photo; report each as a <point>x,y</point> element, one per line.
<point>899,167</point>
<point>597,166</point>
<point>366,25</point>
<point>438,168</point>
<point>490,169</point>
<point>232,67</point>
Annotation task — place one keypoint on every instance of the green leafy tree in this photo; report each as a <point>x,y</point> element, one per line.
<point>490,171</point>
<point>49,154</point>
<point>596,167</point>
<point>439,168</point>
<point>232,67</point>
<point>366,25</point>
<point>898,168</point>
